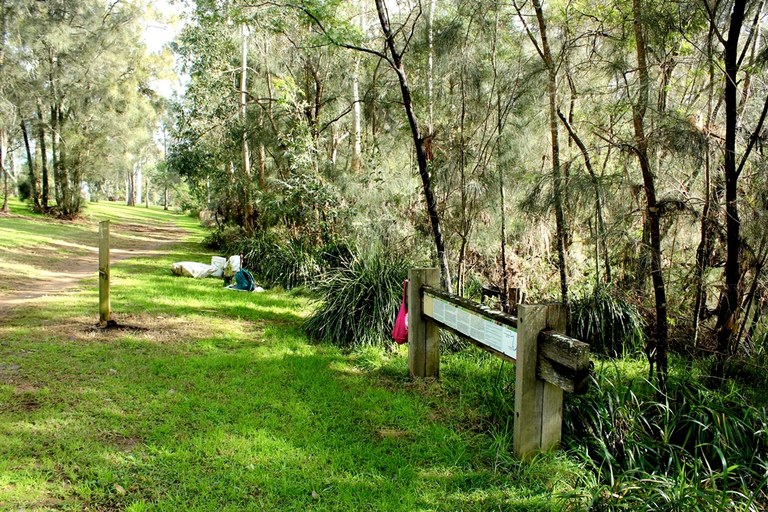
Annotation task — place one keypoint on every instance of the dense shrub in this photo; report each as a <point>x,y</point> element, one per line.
<point>359,300</point>
<point>278,260</point>
<point>289,264</point>
<point>225,238</point>
<point>24,189</point>
<point>698,450</point>
<point>612,326</point>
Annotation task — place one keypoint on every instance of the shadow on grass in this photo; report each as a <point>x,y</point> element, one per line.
<point>242,420</point>
<point>261,428</point>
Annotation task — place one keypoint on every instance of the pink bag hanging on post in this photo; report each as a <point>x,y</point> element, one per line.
<point>400,330</point>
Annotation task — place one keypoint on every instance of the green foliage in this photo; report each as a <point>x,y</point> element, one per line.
<point>24,188</point>
<point>359,300</point>
<point>611,325</point>
<point>274,260</point>
<point>698,450</point>
<point>225,238</point>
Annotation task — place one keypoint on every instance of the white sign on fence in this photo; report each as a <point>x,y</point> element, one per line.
<point>499,337</point>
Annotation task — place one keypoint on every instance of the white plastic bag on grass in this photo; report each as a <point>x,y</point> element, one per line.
<point>218,263</point>
<point>234,263</point>
<point>192,269</point>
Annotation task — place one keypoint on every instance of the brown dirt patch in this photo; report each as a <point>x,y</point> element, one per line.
<point>60,266</point>
<point>23,399</point>
<point>170,330</point>
<point>120,441</point>
<point>392,433</point>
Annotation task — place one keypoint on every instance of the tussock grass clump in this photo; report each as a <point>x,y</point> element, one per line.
<point>697,450</point>
<point>288,263</point>
<point>281,261</point>
<point>359,300</point>
<point>611,325</point>
<point>224,238</point>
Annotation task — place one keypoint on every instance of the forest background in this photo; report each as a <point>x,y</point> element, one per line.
<point>609,156</point>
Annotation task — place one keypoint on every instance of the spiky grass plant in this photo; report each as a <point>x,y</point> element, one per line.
<point>290,264</point>
<point>698,450</point>
<point>611,325</point>
<point>275,261</point>
<point>359,300</point>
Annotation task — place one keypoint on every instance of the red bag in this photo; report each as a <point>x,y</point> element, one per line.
<point>400,330</point>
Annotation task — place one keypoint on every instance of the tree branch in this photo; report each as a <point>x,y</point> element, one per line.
<point>333,41</point>
<point>528,31</point>
<point>753,138</point>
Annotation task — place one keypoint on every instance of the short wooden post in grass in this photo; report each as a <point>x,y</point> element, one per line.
<point>423,333</point>
<point>538,404</point>
<point>104,305</point>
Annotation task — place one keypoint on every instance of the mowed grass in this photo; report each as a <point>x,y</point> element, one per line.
<point>211,399</point>
<point>27,229</point>
<point>34,247</point>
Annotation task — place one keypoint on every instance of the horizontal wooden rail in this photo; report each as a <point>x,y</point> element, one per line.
<point>563,361</point>
<point>491,314</point>
<point>489,329</point>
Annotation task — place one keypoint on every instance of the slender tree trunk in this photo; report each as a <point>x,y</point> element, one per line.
<point>6,188</point>
<point>262,167</point>
<point>557,178</point>
<point>247,204</point>
<point>357,149</point>
<point>727,310</point>
<point>418,142</point>
<point>461,270</point>
<point>208,191</point>
<point>3,134</point>
<point>70,192</point>
<point>130,187</point>
<point>658,350</point>
<point>465,224</point>
<point>704,249</point>
<point>55,156</point>
<point>139,181</point>
<point>43,155</point>
<point>602,234</point>
<point>430,68</point>
<point>505,306</point>
<point>31,166</point>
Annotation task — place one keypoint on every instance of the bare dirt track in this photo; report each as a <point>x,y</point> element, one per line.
<point>60,265</point>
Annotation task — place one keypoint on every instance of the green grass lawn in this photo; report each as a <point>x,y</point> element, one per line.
<point>212,399</point>
<point>33,247</point>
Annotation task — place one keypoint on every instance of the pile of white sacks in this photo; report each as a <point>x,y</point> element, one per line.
<point>200,270</point>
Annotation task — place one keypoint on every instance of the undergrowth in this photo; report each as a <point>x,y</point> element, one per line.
<point>277,260</point>
<point>611,325</point>
<point>358,300</point>
<point>698,450</point>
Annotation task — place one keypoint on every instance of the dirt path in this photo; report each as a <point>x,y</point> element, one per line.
<point>60,274</point>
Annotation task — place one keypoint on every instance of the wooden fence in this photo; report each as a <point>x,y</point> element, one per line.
<point>547,362</point>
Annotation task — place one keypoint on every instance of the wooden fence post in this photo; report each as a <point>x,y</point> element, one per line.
<point>105,309</point>
<point>423,333</point>
<point>538,404</point>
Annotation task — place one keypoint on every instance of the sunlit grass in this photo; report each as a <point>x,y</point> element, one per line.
<point>33,248</point>
<point>212,399</point>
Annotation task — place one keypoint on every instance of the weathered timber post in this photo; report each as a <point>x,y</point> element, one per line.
<point>538,404</point>
<point>105,309</point>
<point>423,333</point>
